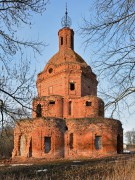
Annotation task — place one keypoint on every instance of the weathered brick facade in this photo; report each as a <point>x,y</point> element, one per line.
<point>68,117</point>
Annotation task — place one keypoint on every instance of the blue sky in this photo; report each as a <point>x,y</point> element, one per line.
<point>45,28</point>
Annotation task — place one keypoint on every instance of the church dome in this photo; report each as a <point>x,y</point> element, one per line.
<point>66,53</point>
<point>66,57</point>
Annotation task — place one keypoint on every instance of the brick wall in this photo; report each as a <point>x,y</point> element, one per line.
<point>57,106</point>
<point>51,106</point>
<point>72,138</point>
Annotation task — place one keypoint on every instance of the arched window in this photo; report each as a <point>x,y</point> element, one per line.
<point>39,110</point>
<point>47,144</point>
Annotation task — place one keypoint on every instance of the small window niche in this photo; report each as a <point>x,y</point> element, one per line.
<point>88,103</point>
<point>61,40</point>
<point>72,86</point>
<point>98,142</point>
<point>50,90</point>
<point>70,108</point>
<point>47,144</point>
<point>72,42</point>
<point>52,102</point>
<point>38,111</point>
<point>71,141</point>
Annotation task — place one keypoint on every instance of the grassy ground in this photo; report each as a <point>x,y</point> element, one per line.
<point>115,168</point>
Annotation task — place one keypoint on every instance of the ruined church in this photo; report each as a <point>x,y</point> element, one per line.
<point>68,118</point>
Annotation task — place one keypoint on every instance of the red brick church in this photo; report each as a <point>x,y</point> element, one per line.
<point>68,118</point>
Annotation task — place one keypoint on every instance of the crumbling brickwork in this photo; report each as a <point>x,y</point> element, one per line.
<point>68,117</point>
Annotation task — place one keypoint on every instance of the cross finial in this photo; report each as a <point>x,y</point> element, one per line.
<point>66,10</point>
<point>66,20</point>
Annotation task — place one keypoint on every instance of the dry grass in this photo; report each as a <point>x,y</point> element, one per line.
<point>119,169</point>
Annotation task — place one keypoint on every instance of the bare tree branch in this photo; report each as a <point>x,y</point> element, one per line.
<point>16,80</point>
<point>112,31</point>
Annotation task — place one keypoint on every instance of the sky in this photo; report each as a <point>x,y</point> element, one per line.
<point>45,28</point>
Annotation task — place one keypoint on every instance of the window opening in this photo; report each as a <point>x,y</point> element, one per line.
<point>88,103</point>
<point>50,70</point>
<point>47,144</point>
<point>72,86</point>
<point>71,141</point>
<point>39,110</point>
<point>69,108</point>
<point>52,102</point>
<point>30,148</point>
<point>66,128</point>
<point>61,39</point>
<point>98,142</point>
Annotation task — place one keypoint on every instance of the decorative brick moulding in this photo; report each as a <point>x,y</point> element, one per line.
<point>68,117</point>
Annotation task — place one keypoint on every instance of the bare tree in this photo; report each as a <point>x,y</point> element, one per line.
<point>130,137</point>
<point>6,142</point>
<point>16,80</point>
<point>111,30</point>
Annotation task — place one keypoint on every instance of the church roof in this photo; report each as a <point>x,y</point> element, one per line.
<point>65,57</point>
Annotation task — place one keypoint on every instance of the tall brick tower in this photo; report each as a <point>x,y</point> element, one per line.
<point>68,117</point>
<point>67,83</point>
